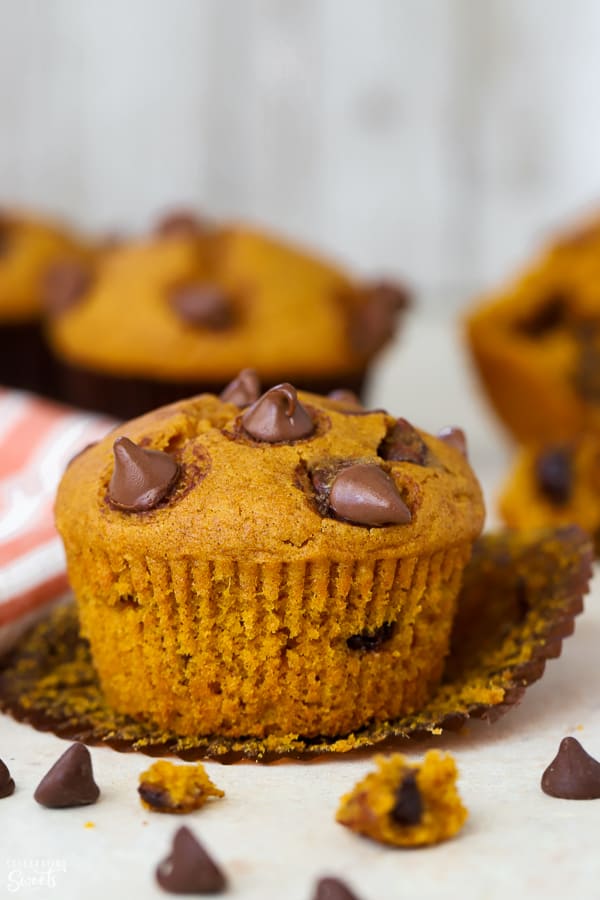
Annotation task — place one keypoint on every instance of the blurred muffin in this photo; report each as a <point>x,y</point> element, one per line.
<point>287,566</point>
<point>536,343</point>
<point>183,311</point>
<point>555,484</point>
<point>29,247</point>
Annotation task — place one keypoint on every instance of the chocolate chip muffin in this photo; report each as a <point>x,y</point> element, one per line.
<point>283,564</point>
<point>183,311</point>
<point>29,247</point>
<point>536,343</point>
<point>555,484</point>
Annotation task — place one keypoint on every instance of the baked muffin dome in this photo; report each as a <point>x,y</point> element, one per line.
<point>283,566</point>
<point>183,311</point>
<point>536,343</point>
<point>29,247</point>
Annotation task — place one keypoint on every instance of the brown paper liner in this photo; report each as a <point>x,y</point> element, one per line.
<point>520,596</point>
<point>25,362</point>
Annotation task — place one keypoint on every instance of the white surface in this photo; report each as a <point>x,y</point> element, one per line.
<point>275,833</point>
<point>434,137</point>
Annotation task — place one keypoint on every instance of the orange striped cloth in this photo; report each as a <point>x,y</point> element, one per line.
<point>37,440</point>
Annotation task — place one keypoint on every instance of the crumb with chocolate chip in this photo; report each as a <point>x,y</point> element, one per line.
<point>169,788</point>
<point>404,804</point>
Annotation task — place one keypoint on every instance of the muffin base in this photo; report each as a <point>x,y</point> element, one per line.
<point>127,398</point>
<point>25,362</point>
<point>520,595</point>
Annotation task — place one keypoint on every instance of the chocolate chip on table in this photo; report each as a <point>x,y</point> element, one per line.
<point>180,223</point>
<point>372,323</point>
<point>70,781</point>
<point>278,416</point>
<point>554,474</point>
<point>243,390</point>
<point>404,444</point>
<point>548,317</point>
<point>203,305</point>
<point>573,774</point>
<point>333,889</point>
<point>408,805</point>
<point>364,494</point>
<point>189,869</point>
<point>141,478</point>
<point>454,437</point>
<point>7,785</point>
<point>65,284</point>
<point>372,640</point>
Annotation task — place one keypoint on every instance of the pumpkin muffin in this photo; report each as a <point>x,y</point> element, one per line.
<point>406,804</point>
<point>555,484</point>
<point>536,343</point>
<point>278,565</point>
<point>29,247</point>
<point>182,311</point>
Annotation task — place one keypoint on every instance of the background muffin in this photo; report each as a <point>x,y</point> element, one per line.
<point>183,311</point>
<point>29,247</point>
<point>283,566</point>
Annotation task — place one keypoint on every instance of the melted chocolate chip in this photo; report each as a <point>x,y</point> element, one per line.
<point>404,444</point>
<point>333,889</point>
<point>454,437</point>
<point>70,781</point>
<point>180,223</point>
<point>548,317</point>
<point>278,416</point>
<point>64,286</point>
<point>372,324</point>
<point>203,305</point>
<point>243,390</point>
<point>573,774</point>
<point>408,804</point>
<point>372,640</point>
<point>189,869</point>
<point>141,478</point>
<point>364,494</point>
<point>554,474</point>
<point>7,785</point>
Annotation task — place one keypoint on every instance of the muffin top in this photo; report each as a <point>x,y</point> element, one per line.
<point>192,302</point>
<point>287,475</point>
<point>28,248</point>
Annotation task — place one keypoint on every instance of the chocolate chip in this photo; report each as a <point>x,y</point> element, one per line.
<point>333,889</point>
<point>64,286</point>
<point>364,494</point>
<point>141,478</point>
<point>243,390</point>
<point>454,437</point>
<point>278,416</point>
<point>343,395</point>
<point>372,640</point>
<point>180,223</point>
<point>204,305</point>
<point>554,474</point>
<point>372,323</point>
<point>408,805</point>
<point>189,869</point>
<point>7,785</point>
<point>70,781</point>
<point>550,315</point>
<point>404,444</point>
<point>573,774</point>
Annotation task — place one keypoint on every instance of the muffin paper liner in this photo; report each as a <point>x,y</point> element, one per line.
<point>520,595</point>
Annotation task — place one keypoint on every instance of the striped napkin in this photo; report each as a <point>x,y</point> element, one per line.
<point>37,440</point>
